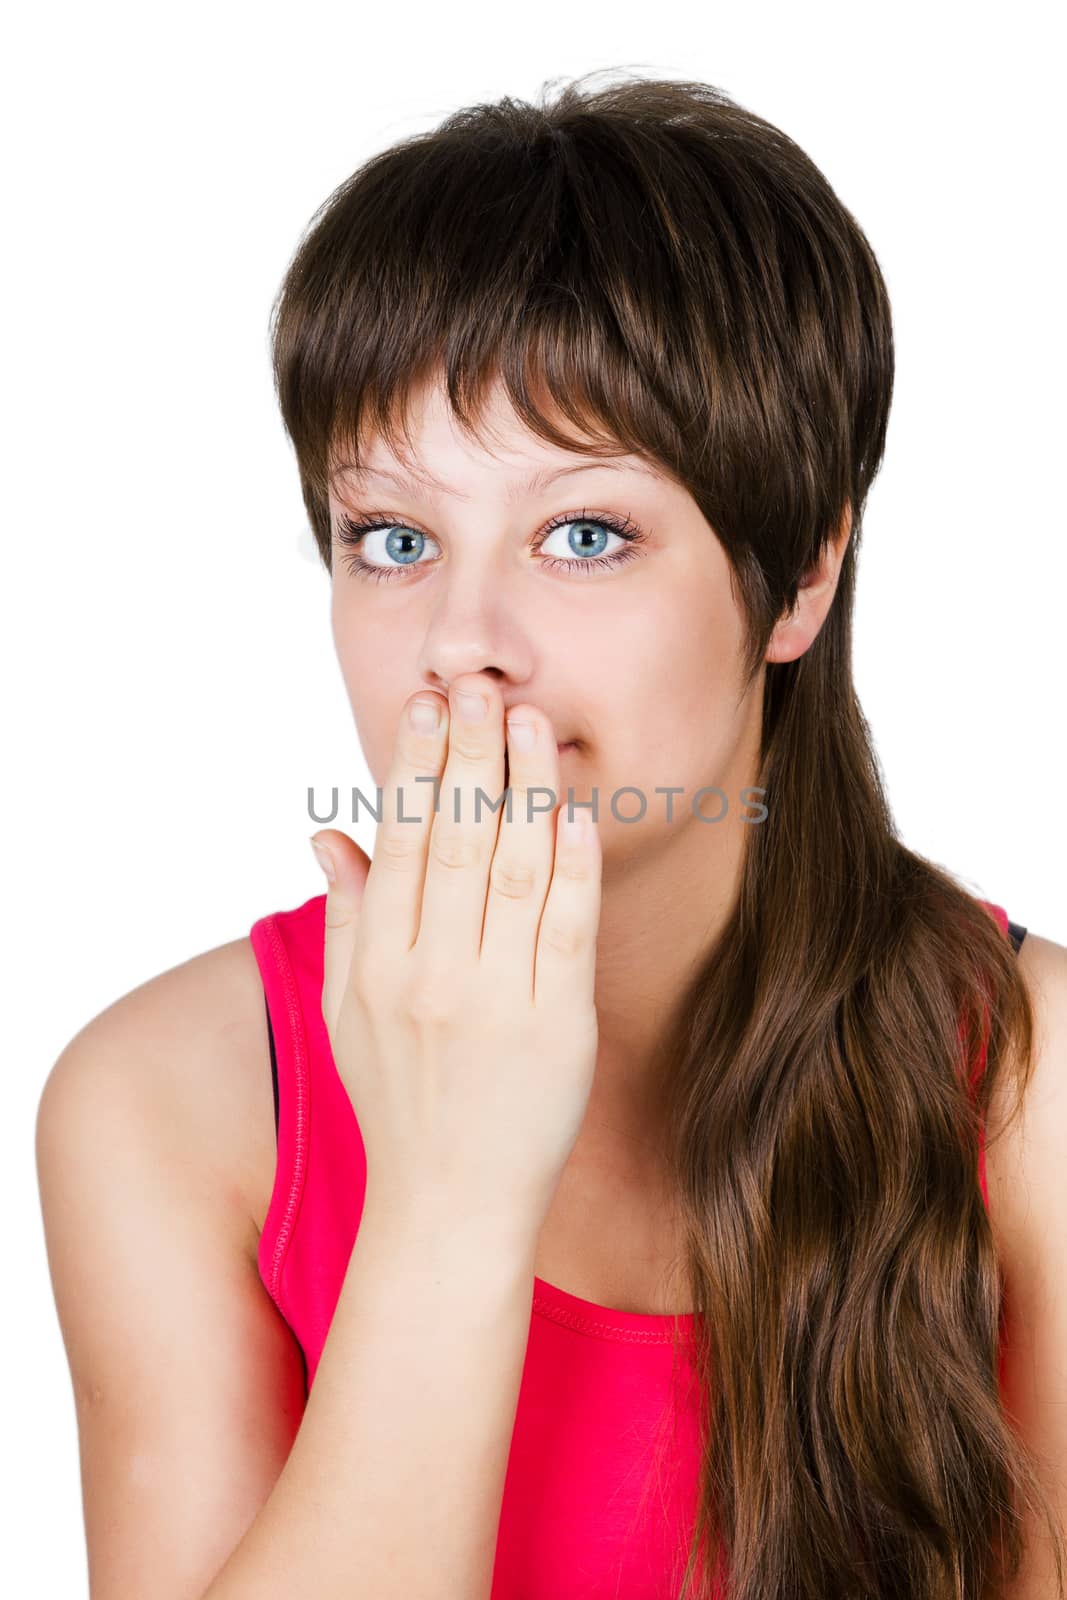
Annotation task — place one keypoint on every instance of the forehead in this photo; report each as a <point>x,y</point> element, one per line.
<point>429,449</point>
<point>516,487</point>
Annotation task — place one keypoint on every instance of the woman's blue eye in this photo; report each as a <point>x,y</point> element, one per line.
<point>585,537</point>
<point>398,542</point>
<point>402,544</point>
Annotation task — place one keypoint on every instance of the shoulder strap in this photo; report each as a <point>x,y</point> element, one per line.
<point>1016,933</point>
<point>273,1068</point>
<point>288,950</point>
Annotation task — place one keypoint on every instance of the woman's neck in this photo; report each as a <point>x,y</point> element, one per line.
<point>659,916</point>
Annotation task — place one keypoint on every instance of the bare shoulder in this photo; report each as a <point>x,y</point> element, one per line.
<point>188,1384</point>
<point>189,1047</point>
<point>1026,1160</point>
<point>1026,1171</point>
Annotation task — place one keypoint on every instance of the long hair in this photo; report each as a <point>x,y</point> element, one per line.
<point>681,282</point>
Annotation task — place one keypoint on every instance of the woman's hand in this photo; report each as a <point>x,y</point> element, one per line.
<point>459,973</point>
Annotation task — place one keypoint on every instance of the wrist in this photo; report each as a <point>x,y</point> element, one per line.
<point>436,1232</point>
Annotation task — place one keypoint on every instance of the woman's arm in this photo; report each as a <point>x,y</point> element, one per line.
<point>199,1474</point>
<point>458,994</point>
<point>394,1483</point>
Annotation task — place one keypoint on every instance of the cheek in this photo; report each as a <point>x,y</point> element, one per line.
<point>376,728</point>
<point>374,669</point>
<point>369,651</point>
<point>679,652</point>
<point>676,688</point>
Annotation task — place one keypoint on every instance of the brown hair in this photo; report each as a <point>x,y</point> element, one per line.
<point>682,283</point>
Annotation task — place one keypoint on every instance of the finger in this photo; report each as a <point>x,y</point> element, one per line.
<point>463,836</point>
<point>393,892</point>
<point>565,963</point>
<point>521,868</point>
<point>346,867</point>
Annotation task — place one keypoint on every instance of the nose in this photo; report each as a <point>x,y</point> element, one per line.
<point>472,630</point>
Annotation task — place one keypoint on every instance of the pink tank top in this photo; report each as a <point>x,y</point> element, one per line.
<point>601,1487</point>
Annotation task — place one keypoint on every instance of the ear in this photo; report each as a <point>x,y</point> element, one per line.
<point>796,629</point>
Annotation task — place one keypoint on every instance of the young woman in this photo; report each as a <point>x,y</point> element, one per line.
<point>671,1208</point>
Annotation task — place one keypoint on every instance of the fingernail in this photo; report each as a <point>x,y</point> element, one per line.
<point>324,859</point>
<point>424,715</point>
<point>472,707</point>
<point>575,827</point>
<point>522,734</point>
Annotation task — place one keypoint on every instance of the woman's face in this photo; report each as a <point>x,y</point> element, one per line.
<point>632,649</point>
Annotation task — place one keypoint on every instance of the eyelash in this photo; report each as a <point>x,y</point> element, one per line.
<point>351,531</point>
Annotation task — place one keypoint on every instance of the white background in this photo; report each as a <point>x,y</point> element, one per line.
<point>171,685</point>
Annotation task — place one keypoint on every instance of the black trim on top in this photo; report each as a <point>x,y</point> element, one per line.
<point>273,1070</point>
<point>1016,933</point>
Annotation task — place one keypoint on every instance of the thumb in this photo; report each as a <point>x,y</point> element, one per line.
<point>346,867</point>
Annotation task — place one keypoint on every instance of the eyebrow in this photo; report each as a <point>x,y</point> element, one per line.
<point>539,480</point>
